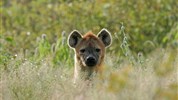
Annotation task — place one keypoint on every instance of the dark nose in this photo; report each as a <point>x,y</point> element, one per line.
<point>91,61</point>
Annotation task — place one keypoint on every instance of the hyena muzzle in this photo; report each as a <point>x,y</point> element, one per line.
<point>89,52</point>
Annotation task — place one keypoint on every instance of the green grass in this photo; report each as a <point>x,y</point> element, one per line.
<point>37,64</point>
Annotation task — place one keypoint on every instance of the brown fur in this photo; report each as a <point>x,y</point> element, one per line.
<point>93,40</point>
<point>81,70</point>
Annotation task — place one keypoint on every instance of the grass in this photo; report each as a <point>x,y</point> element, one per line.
<point>26,80</point>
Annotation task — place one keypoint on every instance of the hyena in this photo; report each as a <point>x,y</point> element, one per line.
<point>89,52</point>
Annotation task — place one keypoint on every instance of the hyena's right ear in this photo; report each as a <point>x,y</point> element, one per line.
<point>74,38</point>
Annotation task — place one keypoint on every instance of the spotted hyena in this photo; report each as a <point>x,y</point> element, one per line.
<point>89,52</point>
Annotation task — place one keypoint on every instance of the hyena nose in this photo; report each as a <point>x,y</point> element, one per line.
<point>91,61</point>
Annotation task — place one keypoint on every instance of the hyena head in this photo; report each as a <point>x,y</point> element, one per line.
<point>89,49</point>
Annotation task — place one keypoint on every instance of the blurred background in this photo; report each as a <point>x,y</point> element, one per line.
<point>42,26</point>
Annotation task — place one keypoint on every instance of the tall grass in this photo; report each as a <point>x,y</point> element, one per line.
<point>26,80</point>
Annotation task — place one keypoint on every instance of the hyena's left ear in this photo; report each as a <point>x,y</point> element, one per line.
<point>74,38</point>
<point>105,37</point>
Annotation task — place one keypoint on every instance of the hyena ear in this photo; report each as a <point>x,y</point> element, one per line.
<point>105,37</point>
<point>74,38</point>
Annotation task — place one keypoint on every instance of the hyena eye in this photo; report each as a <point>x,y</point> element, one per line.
<point>97,50</point>
<point>82,50</point>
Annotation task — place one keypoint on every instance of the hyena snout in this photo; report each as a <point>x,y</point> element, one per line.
<point>91,61</point>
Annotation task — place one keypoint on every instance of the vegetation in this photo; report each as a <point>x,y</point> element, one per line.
<point>36,63</point>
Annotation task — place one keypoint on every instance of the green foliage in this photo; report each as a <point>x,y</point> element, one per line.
<point>146,22</point>
<point>58,52</point>
<point>43,47</point>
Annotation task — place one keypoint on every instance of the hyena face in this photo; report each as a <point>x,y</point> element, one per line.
<point>89,50</point>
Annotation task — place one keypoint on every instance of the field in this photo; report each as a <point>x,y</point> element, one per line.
<point>37,64</point>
